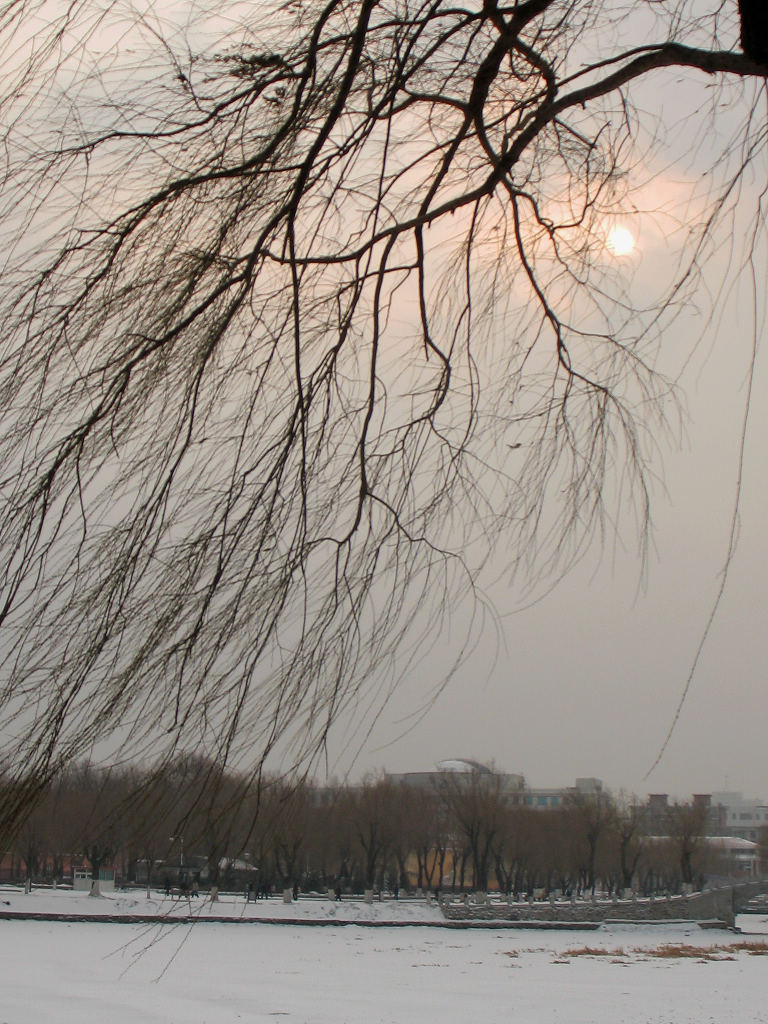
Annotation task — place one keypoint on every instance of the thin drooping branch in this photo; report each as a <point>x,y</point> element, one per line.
<point>297,323</point>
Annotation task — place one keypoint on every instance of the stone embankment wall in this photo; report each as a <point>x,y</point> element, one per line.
<point>710,905</point>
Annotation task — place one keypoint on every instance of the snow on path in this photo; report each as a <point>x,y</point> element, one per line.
<point>135,903</point>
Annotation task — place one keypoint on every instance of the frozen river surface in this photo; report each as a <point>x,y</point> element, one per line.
<point>78,973</point>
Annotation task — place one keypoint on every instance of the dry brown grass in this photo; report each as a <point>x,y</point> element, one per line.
<point>593,951</point>
<point>753,948</point>
<point>672,951</point>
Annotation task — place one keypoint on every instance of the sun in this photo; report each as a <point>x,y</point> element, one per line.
<point>620,241</point>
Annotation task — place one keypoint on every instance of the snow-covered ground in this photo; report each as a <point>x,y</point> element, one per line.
<point>218,973</point>
<point>228,906</point>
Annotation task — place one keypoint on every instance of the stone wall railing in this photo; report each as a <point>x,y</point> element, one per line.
<point>710,905</point>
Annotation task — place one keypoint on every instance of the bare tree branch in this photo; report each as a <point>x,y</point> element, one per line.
<point>297,321</point>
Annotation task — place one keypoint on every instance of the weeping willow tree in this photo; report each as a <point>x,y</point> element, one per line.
<point>304,308</point>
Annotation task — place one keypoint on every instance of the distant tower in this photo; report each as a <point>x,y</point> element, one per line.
<point>754,29</point>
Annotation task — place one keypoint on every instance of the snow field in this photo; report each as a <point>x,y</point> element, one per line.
<point>79,973</point>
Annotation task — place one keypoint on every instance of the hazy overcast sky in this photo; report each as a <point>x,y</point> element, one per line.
<point>586,682</point>
<point>591,677</point>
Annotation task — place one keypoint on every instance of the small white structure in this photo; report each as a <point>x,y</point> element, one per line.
<point>82,880</point>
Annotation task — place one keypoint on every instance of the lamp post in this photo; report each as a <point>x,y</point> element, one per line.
<point>180,840</point>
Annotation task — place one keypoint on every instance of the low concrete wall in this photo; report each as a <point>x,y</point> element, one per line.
<point>710,905</point>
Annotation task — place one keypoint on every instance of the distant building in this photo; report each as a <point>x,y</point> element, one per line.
<point>740,817</point>
<point>732,857</point>
<point>512,784</point>
<point>733,831</point>
<point>447,772</point>
<point>544,799</point>
<point>658,811</point>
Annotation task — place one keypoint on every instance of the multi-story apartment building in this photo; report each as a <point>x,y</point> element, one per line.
<point>740,817</point>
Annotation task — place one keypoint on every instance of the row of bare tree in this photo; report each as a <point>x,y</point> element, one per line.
<point>193,819</point>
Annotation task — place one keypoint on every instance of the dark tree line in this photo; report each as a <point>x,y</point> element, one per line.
<point>467,834</point>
